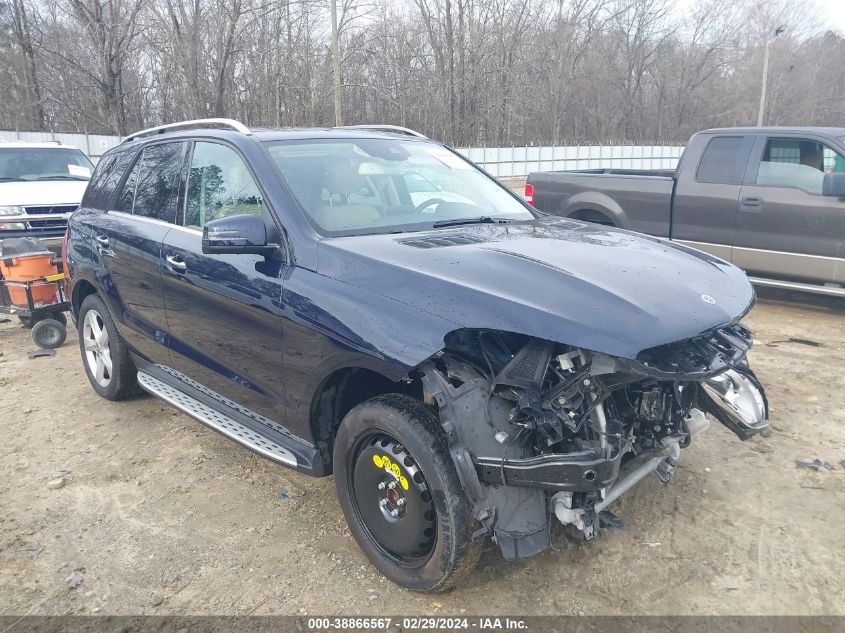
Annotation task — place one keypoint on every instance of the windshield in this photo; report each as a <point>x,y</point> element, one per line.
<point>48,163</point>
<point>384,185</point>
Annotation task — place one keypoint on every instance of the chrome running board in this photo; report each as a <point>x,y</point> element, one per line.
<point>830,291</point>
<point>217,420</point>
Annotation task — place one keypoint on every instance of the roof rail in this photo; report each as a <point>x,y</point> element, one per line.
<point>161,129</point>
<point>391,129</point>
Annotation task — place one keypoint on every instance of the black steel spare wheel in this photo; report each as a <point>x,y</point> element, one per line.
<point>401,495</point>
<point>393,500</point>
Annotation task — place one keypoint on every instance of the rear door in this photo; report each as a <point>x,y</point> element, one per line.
<point>706,193</point>
<point>224,311</point>
<point>129,239</point>
<point>785,227</point>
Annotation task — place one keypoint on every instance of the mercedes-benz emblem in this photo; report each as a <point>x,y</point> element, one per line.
<point>708,299</point>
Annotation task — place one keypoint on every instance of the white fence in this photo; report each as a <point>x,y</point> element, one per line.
<point>95,145</point>
<point>502,162</point>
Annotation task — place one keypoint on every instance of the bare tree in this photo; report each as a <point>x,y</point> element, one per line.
<point>465,71</point>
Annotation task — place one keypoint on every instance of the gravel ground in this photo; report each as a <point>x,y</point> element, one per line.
<point>133,508</point>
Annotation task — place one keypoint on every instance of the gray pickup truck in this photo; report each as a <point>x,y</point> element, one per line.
<point>770,200</point>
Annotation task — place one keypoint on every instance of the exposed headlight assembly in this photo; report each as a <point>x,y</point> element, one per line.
<point>738,401</point>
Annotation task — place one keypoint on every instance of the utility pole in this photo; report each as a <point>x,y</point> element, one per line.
<point>338,105</point>
<point>760,112</point>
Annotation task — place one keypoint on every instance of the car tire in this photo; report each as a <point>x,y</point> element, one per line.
<point>49,333</point>
<point>106,359</point>
<point>397,441</point>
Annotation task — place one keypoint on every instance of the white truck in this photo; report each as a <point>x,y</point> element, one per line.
<point>41,184</point>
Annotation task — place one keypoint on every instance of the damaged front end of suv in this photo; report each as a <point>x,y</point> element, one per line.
<point>539,429</point>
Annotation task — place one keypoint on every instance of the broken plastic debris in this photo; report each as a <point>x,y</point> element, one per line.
<point>283,495</point>
<point>38,353</point>
<point>610,521</point>
<point>74,580</point>
<point>816,464</point>
<point>798,341</point>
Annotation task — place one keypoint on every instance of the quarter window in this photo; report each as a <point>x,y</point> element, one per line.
<point>720,162</point>
<point>798,164</point>
<point>126,198</point>
<point>219,185</point>
<point>106,177</point>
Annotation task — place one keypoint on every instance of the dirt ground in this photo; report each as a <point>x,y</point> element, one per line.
<point>159,515</point>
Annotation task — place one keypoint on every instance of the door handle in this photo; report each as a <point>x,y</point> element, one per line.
<point>176,264</point>
<point>751,204</point>
<point>103,245</point>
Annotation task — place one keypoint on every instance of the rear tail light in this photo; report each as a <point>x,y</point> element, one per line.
<point>529,193</point>
<point>64,249</point>
<point>66,283</point>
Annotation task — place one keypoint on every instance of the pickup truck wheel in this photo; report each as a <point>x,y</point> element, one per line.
<point>596,217</point>
<point>401,495</point>
<point>105,355</point>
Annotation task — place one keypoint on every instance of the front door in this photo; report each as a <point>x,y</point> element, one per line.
<point>224,311</point>
<point>785,227</point>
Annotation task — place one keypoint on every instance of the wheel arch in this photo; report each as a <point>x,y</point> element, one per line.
<point>80,290</point>
<point>592,205</point>
<point>343,389</point>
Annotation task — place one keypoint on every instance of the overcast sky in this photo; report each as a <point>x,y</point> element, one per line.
<point>834,12</point>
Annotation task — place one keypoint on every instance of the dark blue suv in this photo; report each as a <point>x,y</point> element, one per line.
<point>366,303</point>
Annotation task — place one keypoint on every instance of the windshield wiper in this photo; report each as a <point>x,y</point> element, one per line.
<point>62,178</point>
<point>11,179</point>
<point>484,219</point>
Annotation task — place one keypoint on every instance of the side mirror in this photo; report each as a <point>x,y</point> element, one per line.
<point>236,234</point>
<point>834,185</point>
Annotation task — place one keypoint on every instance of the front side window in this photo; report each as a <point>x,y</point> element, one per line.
<point>158,181</point>
<point>43,163</point>
<point>375,185</point>
<point>219,185</point>
<point>798,164</point>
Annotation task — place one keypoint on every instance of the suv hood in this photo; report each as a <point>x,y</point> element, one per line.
<point>42,192</point>
<point>598,288</point>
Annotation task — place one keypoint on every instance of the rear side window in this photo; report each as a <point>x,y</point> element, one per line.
<point>720,162</point>
<point>106,177</point>
<point>158,182</point>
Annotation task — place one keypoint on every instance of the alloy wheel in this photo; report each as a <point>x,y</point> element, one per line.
<point>97,351</point>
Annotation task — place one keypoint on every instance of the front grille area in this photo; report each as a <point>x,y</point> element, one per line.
<point>706,354</point>
<point>57,223</point>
